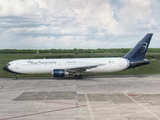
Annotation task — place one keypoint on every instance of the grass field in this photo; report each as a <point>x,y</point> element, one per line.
<point>152,68</point>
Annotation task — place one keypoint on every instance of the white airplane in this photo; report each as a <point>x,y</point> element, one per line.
<point>76,66</point>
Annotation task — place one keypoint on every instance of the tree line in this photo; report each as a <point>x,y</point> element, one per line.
<point>99,50</point>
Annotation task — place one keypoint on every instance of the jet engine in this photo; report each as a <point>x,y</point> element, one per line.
<point>59,73</point>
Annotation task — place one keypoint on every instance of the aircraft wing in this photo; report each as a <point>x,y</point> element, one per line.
<point>82,68</point>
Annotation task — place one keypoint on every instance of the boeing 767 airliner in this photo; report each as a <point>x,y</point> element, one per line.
<point>63,67</point>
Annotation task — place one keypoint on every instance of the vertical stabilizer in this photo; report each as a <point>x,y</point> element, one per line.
<point>139,51</point>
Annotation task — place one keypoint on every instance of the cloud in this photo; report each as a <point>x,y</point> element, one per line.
<point>134,14</point>
<point>97,13</point>
<point>77,23</point>
<point>9,8</point>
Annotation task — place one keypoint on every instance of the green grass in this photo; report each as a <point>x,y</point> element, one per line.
<point>153,68</point>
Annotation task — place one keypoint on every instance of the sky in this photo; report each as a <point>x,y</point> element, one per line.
<point>86,24</point>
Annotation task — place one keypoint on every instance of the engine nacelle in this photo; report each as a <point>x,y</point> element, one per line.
<point>59,73</point>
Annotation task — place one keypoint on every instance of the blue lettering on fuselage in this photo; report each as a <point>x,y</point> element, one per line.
<point>30,62</point>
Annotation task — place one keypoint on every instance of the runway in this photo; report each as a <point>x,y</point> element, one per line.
<point>90,98</point>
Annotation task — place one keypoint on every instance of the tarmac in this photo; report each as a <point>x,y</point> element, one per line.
<point>135,97</point>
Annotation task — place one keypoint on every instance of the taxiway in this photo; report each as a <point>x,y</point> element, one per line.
<point>92,98</point>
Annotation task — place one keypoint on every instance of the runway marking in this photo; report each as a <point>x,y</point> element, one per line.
<point>32,114</point>
<point>1,87</point>
<point>111,102</point>
<point>153,114</point>
<point>89,108</point>
<point>116,107</point>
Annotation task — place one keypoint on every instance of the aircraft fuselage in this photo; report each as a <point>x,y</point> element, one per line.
<point>38,66</point>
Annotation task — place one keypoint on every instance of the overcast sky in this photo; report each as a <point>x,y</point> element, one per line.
<point>68,24</point>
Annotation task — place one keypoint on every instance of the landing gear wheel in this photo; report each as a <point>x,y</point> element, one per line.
<point>78,76</point>
<point>15,76</point>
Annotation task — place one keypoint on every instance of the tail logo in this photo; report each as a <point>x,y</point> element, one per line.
<point>144,46</point>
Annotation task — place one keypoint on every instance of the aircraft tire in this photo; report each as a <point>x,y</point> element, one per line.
<point>78,76</point>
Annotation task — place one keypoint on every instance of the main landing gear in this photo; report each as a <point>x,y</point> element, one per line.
<point>15,76</point>
<point>78,76</point>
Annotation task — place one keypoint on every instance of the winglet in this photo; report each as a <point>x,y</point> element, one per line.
<point>139,51</point>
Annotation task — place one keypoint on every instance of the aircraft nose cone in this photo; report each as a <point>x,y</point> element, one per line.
<point>6,68</point>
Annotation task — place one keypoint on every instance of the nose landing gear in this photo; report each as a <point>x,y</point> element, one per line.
<point>15,76</point>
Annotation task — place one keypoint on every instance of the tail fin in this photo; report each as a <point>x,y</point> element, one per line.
<point>139,51</point>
